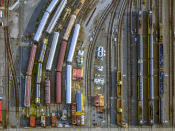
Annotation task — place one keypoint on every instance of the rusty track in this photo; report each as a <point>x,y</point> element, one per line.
<point>11,65</point>
<point>84,9</point>
<point>91,16</point>
<point>10,58</point>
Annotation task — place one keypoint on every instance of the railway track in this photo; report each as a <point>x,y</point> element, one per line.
<point>161,69</point>
<point>84,9</point>
<point>11,65</point>
<point>109,62</point>
<point>119,27</point>
<point>6,112</point>
<point>129,61</point>
<point>10,58</point>
<point>171,63</point>
<point>90,55</point>
<point>118,49</point>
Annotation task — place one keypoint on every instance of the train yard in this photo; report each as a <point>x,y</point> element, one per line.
<point>87,64</point>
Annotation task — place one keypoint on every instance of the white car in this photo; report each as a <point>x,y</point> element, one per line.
<point>96,75</point>
<point>60,125</point>
<point>91,39</point>
<point>100,54</point>
<point>80,53</point>
<point>1,14</point>
<point>115,39</point>
<point>66,125</point>
<point>100,51</point>
<point>98,87</point>
<point>96,81</point>
<point>99,68</point>
<point>99,81</point>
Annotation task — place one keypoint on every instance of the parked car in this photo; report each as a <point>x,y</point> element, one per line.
<point>96,75</point>
<point>98,87</point>
<point>99,81</point>
<point>99,68</point>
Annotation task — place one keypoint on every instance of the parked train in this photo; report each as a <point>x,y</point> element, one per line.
<point>69,84</point>
<point>47,92</point>
<point>39,73</point>
<point>40,60</point>
<point>61,56</point>
<point>64,43</point>
<point>27,91</point>
<point>44,20</point>
<point>69,27</point>
<point>58,87</point>
<point>140,70</point>
<point>119,101</point>
<point>69,59</point>
<point>151,70</point>
<point>28,76</point>
<point>49,29</point>
<point>43,51</point>
<point>56,16</point>
<point>52,51</point>
<point>31,60</point>
<point>39,70</point>
<point>59,70</point>
<point>161,84</point>
<point>61,60</point>
<point>73,43</point>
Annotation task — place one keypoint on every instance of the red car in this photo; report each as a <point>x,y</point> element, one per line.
<point>32,121</point>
